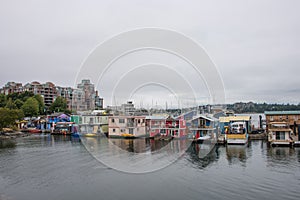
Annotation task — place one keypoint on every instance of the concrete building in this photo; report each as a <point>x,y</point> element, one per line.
<point>89,94</point>
<point>11,87</point>
<point>83,98</point>
<point>128,108</point>
<point>46,90</point>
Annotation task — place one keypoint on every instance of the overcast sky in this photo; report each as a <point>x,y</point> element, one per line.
<point>254,44</point>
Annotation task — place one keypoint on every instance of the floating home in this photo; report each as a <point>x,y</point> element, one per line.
<point>203,128</point>
<point>127,126</point>
<point>235,128</point>
<point>166,126</point>
<point>156,125</point>
<point>93,125</point>
<point>291,118</point>
<point>279,134</point>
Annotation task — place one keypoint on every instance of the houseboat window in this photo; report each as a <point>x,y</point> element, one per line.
<point>280,135</point>
<point>139,121</point>
<point>91,120</point>
<point>271,118</point>
<point>121,121</point>
<point>287,117</point>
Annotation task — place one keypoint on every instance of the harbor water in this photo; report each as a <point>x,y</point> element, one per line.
<point>63,167</point>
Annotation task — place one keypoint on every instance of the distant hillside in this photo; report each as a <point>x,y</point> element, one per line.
<point>251,107</point>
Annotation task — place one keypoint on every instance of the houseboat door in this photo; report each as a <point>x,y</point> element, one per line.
<point>197,134</point>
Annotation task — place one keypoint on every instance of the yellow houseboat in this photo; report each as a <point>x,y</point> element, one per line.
<point>237,133</point>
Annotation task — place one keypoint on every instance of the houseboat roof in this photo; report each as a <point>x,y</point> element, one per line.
<point>279,123</point>
<point>127,116</point>
<point>205,117</point>
<point>235,118</point>
<point>290,112</point>
<point>156,117</point>
<point>280,129</point>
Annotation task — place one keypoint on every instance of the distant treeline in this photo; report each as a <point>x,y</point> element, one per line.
<point>251,107</point>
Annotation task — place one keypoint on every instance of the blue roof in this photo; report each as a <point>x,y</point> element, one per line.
<point>290,112</point>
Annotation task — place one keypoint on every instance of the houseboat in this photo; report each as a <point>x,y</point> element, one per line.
<point>279,134</point>
<point>156,125</point>
<point>235,128</point>
<point>65,128</point>
<point>237,133</point>
<point>176,128</point>
<point>202,129</point>
<point>126,126</point>
<point>93,125</point>
<point>166,127</point>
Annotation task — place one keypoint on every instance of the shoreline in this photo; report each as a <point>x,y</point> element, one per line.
<point>13,135</point>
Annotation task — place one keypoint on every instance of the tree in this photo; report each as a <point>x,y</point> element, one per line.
<point>59,105</point>
<point>8,117</point>
<point>10,104</point>
<point>40,100</point>
<point>19,103</point>
<point>30,107</point>
<point>2,100</point>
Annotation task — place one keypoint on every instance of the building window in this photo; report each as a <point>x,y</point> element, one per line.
<point>280,135</point>
<point>271,118</point>
<point>114,130</point>
<point>122,130</point>
<point>113,120</point>
<point>121,121</point>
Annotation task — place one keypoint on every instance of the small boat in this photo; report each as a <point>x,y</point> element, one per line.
<point>34,130</point>
<point>127,136</point>
<point>89,135</point>
<point>201,139</point>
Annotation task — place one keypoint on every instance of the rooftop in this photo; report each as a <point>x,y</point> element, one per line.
<point>235,118</point>
<point>290,112</point>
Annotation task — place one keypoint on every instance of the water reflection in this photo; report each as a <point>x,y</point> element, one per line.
<point>280,157</point>
<point>48,140</point>
<point>141,145</point>
<point>135,155</point>
<point>7,143</point>
<point>202,155</point>
<point>236,154</point>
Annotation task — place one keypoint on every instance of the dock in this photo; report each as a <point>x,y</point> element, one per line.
<point>260,136</point>
<point>221,139</point>
<point>163,137</point>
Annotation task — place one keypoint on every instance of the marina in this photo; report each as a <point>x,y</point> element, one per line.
<point>61,167</point>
